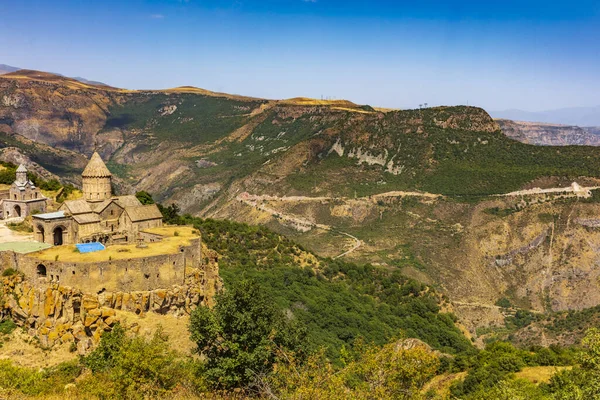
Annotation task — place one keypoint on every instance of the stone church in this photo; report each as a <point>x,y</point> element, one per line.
<point>23,198</point>
<point>98,216</point>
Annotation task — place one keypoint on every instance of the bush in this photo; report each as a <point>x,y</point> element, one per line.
<point>133,368</point>
<point>9,272</point>
<point>7,327</point>
<point>504,303</point>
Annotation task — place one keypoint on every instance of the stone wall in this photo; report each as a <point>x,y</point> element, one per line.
<point>55,313</point>
<point>132,274</point>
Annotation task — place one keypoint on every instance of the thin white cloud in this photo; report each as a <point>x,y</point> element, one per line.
<point>157,16</point>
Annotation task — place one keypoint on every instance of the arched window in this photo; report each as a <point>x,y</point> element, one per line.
<point>41,270</point>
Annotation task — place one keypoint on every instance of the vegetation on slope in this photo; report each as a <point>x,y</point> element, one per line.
<point>338,302</point>
<point>453,151</point>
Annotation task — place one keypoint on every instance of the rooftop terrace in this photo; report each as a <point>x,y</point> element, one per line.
<point>174,237</point>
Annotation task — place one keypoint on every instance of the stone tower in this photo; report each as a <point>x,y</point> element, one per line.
<point>96,180</point>
<point>21,174</point>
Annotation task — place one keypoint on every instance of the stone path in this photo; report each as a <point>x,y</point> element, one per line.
<point>7,235</point>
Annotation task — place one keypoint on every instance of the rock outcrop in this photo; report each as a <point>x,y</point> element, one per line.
<point>549,134</point>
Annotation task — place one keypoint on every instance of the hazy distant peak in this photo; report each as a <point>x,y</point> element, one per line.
<point>7,69</point>
<point>579,116</point>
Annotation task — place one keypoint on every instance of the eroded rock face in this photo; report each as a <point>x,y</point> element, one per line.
<point>56,314</point>
<point>549,134</point>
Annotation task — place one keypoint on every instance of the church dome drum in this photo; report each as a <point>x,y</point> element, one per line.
<point>96,180</point>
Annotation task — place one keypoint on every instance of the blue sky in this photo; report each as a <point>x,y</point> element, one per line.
<point>532,55</point>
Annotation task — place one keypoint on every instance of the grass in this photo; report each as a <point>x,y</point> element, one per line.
<point>20,227</point>
<point>169,245</point>
<point>539,375</point>
<point>23,247</point>
<point>7,327</point>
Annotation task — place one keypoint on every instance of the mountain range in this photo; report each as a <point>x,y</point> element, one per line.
<point>579,116</point>
<point>424,191</point>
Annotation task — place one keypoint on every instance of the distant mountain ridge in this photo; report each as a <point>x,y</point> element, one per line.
<point>7,69</point>
<point>579,116</point>
<point>545,134</point>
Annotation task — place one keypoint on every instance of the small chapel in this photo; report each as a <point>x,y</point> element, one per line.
<point>98,216</point>
<point>23,198</point>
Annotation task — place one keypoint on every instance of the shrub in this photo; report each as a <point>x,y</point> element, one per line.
<point>9,272</point>
<point>7,327</point>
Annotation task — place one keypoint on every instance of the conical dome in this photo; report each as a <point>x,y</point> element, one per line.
<point>21,168</point>
<point>96,168</point>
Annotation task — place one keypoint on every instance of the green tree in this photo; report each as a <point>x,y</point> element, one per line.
<point>133,368</point>
<point>388,372</point>
<point>583,381</point>
<point>144,197</point>
<point>242,335</point>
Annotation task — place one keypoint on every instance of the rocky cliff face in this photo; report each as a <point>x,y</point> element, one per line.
<point>55,111</point>
<point>550,134</point>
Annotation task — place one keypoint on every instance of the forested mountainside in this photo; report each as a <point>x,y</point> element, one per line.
<point>415,190</point>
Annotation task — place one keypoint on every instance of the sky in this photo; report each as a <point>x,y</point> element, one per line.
<point>528,54</point>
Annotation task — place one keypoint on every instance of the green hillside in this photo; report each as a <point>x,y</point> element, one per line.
<point>446,150</point>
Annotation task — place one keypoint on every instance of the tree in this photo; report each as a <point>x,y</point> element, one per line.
<point>144,197</point>
<point>171,214</point>
<point>582,382</point>
<point>133,368</point>
<point>242,335</point>
<point>388,372</point>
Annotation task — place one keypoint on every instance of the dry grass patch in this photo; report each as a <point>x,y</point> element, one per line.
<point>174,231</point>
<point>440,384</point>
<point>539,375</point>
<point>23,350</point>
<point>177,328</point>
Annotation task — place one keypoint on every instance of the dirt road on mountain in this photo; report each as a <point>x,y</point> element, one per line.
<point>375,197</point>
<point>300,224</point>
<point>304,225</point>
<point>575,188</point>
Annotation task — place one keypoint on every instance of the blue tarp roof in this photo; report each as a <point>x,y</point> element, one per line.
<point>89,247</point>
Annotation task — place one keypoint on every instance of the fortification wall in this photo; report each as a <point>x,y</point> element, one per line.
<point>134,274</point>
<point>56,313</point>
